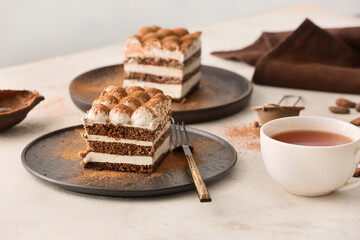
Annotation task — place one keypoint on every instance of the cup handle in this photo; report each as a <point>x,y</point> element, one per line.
<point>351,185</point>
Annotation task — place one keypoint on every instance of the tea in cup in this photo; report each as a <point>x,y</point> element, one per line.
<point>311,156</point>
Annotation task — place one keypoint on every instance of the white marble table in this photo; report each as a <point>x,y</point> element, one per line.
<point>247,204</point>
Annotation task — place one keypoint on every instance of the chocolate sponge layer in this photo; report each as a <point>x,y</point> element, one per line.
<point>122,132</point>
<point>126,148</point>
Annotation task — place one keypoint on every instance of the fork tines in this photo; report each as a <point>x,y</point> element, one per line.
<point>179,136</point>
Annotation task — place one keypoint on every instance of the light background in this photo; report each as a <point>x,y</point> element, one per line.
<point>36,29</point>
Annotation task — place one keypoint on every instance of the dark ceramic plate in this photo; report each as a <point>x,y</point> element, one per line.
<point>54,158</point>
<point>220,94</point>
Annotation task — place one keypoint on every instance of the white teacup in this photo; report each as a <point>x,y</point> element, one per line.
<point>310,170</point>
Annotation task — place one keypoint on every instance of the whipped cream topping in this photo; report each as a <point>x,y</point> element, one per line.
<point>159,104</point>
<point>106,100</point>
<point>120,114</point>
<point>132,89</point>
<point>154,41</point>
<point>142,96</point>
<point>98,113</point>
<point>131,102</point>
<point>144,116</point>
<point>153,91</point>
<point>137,108</point>
<point>117,92</point>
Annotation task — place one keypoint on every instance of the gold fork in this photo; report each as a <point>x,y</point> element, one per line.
<point>180,139</point>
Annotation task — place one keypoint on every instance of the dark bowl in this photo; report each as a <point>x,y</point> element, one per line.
<point>15,105</point>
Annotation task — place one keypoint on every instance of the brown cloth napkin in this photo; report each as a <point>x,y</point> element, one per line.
<point>308,58</point>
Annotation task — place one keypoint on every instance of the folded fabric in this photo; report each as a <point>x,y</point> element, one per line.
<point>308,58</point>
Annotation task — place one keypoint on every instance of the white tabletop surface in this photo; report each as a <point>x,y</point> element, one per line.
<point>246,203</point>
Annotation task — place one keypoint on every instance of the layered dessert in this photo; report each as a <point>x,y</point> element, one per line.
<point>167,59</point>
<point>127,130</point>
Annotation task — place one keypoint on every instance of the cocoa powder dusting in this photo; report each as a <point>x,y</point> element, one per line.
<point>172,161</point>
<point>72,153</point>
<point>71,150</point>
<point>244,136</point>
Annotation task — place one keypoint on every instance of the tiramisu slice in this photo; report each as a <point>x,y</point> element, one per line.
<point>167,59</point>
<point>127,130</point>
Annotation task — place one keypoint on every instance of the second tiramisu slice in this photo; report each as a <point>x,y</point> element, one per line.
<point>167,59</point>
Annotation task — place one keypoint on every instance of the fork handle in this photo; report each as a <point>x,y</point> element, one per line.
<point>198,180</point>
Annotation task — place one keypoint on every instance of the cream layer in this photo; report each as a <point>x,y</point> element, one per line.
<point>174,90</point>
<point>162,71</point>
<point>137,160</point>
<point>87,122</point>
<point>100,138</point>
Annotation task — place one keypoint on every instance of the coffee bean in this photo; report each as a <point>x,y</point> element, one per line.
<point>339,110</point>
<point>356,121</point>
<point>342,102</point>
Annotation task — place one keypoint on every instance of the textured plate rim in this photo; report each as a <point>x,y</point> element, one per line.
<point>126,193</point>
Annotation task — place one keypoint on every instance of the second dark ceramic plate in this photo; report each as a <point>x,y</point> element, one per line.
<point>220,94</point>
